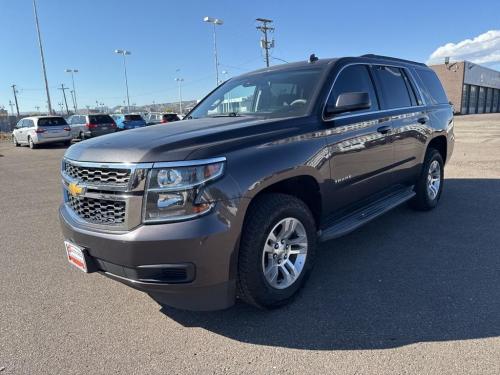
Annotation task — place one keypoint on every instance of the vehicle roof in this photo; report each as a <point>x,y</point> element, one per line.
<point>39,117</point>
<point>367,58</point>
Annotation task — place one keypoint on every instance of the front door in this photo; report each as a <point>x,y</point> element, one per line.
<point>360,143</point>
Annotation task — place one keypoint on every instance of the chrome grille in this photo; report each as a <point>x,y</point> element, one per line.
<point>95,175</point>
<point>98,211</point>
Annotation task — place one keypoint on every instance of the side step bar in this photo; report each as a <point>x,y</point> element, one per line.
<point>343,225</point>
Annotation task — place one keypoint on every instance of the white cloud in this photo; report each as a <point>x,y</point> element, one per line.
<point>482,49</point>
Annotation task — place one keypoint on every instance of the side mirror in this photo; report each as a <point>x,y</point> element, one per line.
<point>349,102</point>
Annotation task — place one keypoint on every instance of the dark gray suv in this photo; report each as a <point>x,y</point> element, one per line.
<point>233,200</point>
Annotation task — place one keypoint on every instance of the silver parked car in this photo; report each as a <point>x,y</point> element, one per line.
<point>37,130</point>
<point>88,126</point>
<point>154,118</point>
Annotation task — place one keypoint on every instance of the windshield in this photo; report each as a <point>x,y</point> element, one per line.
<point>274,94</point>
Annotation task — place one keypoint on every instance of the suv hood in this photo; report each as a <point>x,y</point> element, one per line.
<point>176,141</point>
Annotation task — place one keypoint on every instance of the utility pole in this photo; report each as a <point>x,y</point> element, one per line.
<point>72,92</point>
<point>15,98</point>
<point>42,58</point>
<point>179,81</point>
<point>265,44</point>
<point>63,89</point>
<point>11,107</point>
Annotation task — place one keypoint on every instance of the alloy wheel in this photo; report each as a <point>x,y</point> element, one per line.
<point>434,179</point>
<point>284,254</point>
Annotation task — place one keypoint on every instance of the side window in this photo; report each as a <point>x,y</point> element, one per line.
<point>393,87</point>
<point>29,124</point>
<point>431,87</point>
<point>415,100</point>
<point>354,78</point>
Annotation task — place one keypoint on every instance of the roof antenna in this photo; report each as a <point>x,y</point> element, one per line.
<point>313,58</point>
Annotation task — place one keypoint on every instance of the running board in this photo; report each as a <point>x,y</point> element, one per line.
<point>343,225</point>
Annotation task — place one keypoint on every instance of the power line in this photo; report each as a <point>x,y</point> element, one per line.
<point>265,43</point>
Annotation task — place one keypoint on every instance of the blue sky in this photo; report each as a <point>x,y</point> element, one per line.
<point>168,35</point>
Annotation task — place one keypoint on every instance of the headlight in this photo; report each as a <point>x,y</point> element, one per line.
<point>173,192</point>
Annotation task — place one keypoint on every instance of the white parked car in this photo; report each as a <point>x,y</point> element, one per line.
<point>37,130</point>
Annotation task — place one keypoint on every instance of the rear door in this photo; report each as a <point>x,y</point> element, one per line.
<point>54,127</point>
<point>405,109</point>
<point>28,129</point>
<point>359,142</point>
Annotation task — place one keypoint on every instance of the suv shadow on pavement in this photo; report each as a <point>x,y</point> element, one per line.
<point>404,278</point>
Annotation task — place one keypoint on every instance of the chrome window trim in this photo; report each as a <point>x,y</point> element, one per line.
<point>369,112</point>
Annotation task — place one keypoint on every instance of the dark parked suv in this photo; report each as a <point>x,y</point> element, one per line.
<point>233,200</point>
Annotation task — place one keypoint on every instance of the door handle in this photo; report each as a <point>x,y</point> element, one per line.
<point>423,120</point>
<point>384,129</point>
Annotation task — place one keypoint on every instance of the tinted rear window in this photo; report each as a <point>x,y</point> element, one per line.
<point>431,87</point>
<point>133,118</point>
<point>171,117</point>
<point>393,86</point>
<point>100,119</point>
<point>52,121</point>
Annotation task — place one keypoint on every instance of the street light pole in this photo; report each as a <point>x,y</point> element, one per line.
<point>179,81</point>
<point>125,53</point>
<point>73,71</point>
<point>42,58</point>
<point>215,22</point>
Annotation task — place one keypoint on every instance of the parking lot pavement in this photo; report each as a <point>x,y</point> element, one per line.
<point>408,293</point>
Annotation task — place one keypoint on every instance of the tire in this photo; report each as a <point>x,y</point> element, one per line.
<point>67,143</point>
<point>14,140</point>
<point>427,198</point>
<point>269,213</point>
<point>31,143</point>
<point>81,136</point>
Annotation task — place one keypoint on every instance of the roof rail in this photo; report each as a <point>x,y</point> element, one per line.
<point>373,56</point>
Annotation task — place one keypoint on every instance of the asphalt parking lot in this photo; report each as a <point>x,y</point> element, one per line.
<point>409,293</point>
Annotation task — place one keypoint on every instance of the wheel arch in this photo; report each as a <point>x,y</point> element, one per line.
<point>302,186</point>
<point>439,143</point>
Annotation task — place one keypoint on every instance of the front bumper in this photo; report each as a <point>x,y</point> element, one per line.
<point>205,247</point>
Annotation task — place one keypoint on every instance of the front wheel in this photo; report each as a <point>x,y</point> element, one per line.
<point>277,250</point>
<point>429,186</point>
<point>14,140</point>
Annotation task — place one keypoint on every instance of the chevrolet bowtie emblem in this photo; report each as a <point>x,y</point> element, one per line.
<point>75,190</point>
